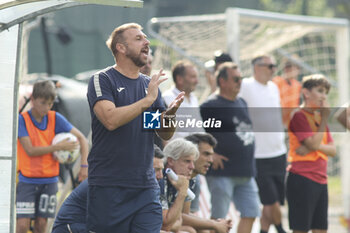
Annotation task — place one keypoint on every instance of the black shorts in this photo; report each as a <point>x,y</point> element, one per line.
<point>307,203</point>
<point>271,179</point>
<point>36,200</point>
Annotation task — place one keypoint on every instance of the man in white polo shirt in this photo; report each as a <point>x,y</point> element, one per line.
<point>185,77</point>
<point>263,99</point>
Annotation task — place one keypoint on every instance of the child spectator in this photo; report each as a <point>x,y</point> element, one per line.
<point>38,170</point>
<point>310,146</point>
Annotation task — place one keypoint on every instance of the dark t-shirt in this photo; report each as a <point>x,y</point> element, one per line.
<point>73,209</point>
<point>124,156</point>
<point>235,138</point>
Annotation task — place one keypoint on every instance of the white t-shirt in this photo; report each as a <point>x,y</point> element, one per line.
<point>192,110</point>
<point>265,112</point>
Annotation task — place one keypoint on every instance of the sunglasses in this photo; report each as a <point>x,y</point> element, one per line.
<point>270,66</point>
<point>237,78</point>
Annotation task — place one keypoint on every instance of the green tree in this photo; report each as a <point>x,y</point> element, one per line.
<point>321,8</point>
<point>300,7</point>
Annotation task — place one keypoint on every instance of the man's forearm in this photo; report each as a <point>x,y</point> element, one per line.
<point>174,212</point>
<point>197,222</point>
<point>113,117</point>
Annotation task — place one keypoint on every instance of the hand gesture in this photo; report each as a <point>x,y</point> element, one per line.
<point>174,106</point>
<point>325,110</point>
<point>181,184</point>
<point>66,145</point>
<point>218,161</point>
<point>223,225</point>
<point>152,90</point>
<point>302,150</point>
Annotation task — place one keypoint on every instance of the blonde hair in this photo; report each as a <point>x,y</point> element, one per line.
<point>117,36</point>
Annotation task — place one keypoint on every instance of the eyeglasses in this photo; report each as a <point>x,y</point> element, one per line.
<point>270,66</point>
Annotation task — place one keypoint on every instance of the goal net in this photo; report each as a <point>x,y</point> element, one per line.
<point>321,45</point>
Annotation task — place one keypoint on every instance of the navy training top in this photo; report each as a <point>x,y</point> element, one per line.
<point>124,156</point>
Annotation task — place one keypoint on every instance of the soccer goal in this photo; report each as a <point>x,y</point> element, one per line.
<point>321,45</point>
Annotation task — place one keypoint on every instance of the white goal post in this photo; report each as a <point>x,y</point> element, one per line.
<point>321,45</point>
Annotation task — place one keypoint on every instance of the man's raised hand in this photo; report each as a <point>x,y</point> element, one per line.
<point>152,91</point>
<point>172,108</point>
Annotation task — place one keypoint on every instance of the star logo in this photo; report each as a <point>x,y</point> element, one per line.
<point>155,115</point>
<point>151,120</point>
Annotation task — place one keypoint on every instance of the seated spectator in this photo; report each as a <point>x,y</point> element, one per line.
<point>181,156</point>
<point>205,143</point>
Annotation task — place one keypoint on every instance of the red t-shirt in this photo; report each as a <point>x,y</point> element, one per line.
<point>300,127</point>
